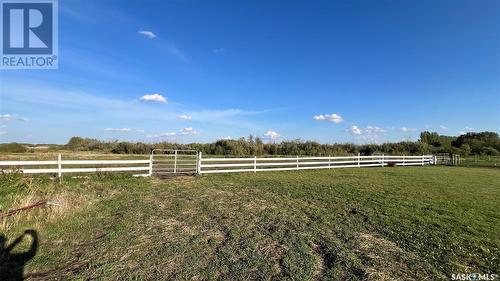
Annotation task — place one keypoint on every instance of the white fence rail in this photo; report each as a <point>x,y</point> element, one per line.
<point>214,165</point>
<point>60,166</point>
<point>255,164</point>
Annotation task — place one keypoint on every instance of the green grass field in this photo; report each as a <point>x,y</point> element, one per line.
<point>357,224</point>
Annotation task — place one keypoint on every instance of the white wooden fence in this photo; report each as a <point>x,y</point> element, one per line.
<point>214,165</point>
<point>256,164</point>
<point>60,166</point>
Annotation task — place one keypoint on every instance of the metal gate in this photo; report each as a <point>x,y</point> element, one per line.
<point>174,162</point>
<point>447,159</point>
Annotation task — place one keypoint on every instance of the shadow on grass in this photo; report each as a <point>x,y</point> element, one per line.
<point>12,264</point>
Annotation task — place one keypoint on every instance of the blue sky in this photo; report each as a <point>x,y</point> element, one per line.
<point>330,71</point>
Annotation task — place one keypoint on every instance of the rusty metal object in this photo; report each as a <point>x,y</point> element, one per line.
<point>15,211</point>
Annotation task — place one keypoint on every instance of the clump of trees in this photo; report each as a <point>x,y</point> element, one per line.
<point>13,148</point>
<point>484,143</point>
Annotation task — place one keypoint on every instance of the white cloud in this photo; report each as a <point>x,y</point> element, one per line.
<point>367,135</point>
<point>181,132</point>
<point>3,126</point>
<point>148,34</point>
<point>227,138</point>
<point>118,130</point>
<point>354,130</point>
<point>405,129</point>
<point>335,118</point>
<point>374,130</point>
<point>168,134</point>
<point>187,131</point>
<point>462,133</point>
<point>469,129</point>
<point>9,117</point>
<point>6,117</point>
<point>443,127</point>
<point>219,50</point>
<point>272,135</point>
<point>140,130</point>
<point>154,98</point>
<point>169,47</point>
<point>226,115</point>
<point>184,117</point>
<point>3,133</point>
<point>370,138</point>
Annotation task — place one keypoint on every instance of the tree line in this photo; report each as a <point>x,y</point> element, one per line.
<point>484,143</point>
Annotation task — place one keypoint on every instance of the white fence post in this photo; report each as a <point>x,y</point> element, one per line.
<point>359,163</point>
<point>297,162</point>
<point>175,161</point>
<point>404,164</point>
<point>255,164</point>
<point>199,163</point>
<point>434,160</point>
<point>151,164</point>
<point>423,157</point>
<point>329,161</point>
<point>59,165</point>
<point>382,160</point>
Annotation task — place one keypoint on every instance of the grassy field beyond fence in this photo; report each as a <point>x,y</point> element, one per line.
<point>375,223</point>
<point>480,161</point>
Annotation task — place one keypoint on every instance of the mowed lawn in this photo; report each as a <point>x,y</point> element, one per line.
<point>358,224</point>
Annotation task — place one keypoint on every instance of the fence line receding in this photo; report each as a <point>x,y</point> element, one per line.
<point>257,164</point>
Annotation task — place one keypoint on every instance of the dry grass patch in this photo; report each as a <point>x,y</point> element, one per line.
<point>385,257</point>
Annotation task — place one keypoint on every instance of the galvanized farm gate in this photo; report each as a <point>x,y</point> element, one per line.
<point>165,162</point>
<point>447,159</point>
